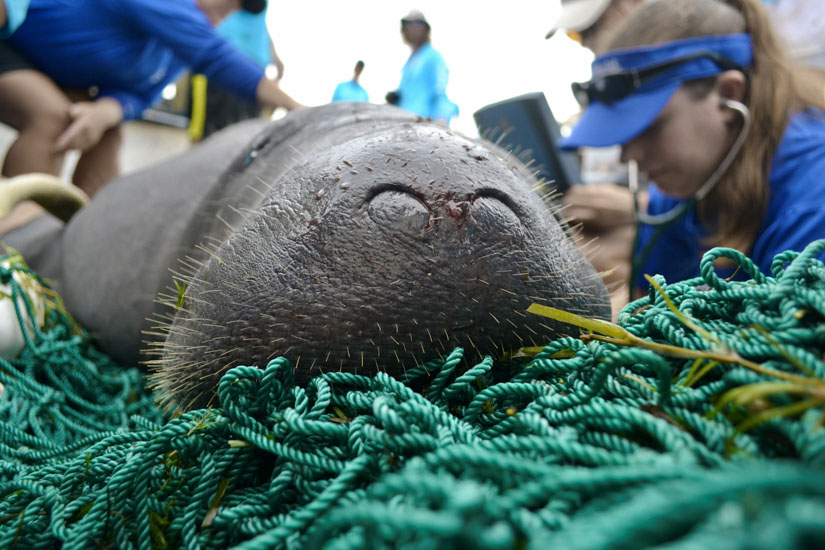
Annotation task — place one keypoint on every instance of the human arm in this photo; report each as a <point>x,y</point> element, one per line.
<point>602,214</point>
<point>601,206</point>
<point>185,30</point>
<point>279,65</point>
<point>796,228</point>
<point>90,119</point>
<point>270,94</point>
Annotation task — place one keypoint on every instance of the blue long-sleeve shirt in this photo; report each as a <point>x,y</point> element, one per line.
<point>130,49</point>
<point>795,215</point>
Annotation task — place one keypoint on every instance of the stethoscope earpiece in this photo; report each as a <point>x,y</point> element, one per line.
<point>733,104</point>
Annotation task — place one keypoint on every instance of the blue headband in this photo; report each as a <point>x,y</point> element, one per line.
<point>630,87</point>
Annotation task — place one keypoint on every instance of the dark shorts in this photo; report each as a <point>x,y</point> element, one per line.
<point>224,108</point>
<point>12,60</point>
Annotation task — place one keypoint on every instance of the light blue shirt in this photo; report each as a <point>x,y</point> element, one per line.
<point>248,32</point>
<point>423,87</point>
<point>16,13</point>
<point>350,91</point>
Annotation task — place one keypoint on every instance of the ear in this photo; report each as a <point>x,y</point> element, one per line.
<point>731,85</point>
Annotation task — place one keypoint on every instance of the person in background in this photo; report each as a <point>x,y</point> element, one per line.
<point>105,61</point>
<point>801,23</point>
<point>215,106</point>
<point>703,96</point>
<point>601,209</point>
<point>351,90</point>
<point>589,22</point>
<point>12,14</point>
<point>423,88</point>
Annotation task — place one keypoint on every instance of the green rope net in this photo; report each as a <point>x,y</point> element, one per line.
<point>592,443</point>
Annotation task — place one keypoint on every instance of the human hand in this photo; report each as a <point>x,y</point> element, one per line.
<point>599,206</point>
<point>270,94</point>
<point>90,119</point>
<point>604,212</point>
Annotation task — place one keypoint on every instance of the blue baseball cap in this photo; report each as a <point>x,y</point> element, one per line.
<point>630,87</point>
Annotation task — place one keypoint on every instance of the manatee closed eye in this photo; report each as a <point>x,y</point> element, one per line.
<point>394,208</point>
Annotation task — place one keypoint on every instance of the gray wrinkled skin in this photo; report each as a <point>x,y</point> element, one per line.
<point>345,237</point>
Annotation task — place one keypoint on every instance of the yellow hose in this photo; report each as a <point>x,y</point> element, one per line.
<point>197,117</point>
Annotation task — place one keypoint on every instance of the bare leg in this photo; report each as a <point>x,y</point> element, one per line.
<point>100,164</point>
<point>32,104</point>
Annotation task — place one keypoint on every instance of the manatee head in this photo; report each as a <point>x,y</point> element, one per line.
<point>379,249</point>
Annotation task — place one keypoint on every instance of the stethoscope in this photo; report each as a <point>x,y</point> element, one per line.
<point>664,220</point>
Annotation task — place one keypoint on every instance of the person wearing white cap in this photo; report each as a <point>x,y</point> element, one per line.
<point>423,87</point>
<point>589,21</point>
<point>801,23</point>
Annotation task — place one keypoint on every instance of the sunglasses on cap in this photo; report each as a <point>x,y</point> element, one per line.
<point>614,87</point>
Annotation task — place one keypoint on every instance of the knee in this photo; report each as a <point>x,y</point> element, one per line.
<point>48,120</point>
<point>113,137</point>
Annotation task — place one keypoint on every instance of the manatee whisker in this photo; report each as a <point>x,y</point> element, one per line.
<point>229,351</point>
<point>257,191</point>
<point>209,252</point>
<point>159,334</point>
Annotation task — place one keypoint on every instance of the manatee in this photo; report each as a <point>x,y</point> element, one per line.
<point>349,237</point>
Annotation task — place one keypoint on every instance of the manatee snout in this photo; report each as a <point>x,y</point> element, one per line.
<point>464,217</point>
<point>382,250</point>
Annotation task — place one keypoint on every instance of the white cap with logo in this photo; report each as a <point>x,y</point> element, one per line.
<point>577,15</point>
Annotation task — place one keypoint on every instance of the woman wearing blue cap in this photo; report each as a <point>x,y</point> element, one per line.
<point>705,101</point>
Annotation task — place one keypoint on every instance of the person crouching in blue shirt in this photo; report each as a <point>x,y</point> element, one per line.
<point>701,95</point>
<point>125,52</point>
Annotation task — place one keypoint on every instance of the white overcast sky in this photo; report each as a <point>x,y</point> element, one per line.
<point>495,49</point>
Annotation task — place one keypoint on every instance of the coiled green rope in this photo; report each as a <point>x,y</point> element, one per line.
<point>590,444</point>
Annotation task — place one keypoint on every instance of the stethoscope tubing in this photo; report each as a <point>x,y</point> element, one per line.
<point>664,220</point>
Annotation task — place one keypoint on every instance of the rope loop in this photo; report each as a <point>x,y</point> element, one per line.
<point>697,422</point>
<point>708,271</point>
